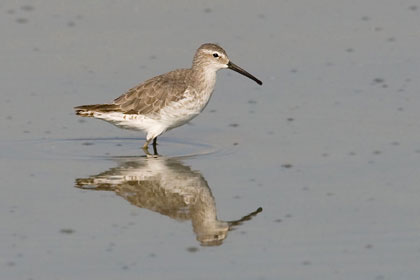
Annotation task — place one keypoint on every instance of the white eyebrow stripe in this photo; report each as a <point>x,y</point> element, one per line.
<point>212,52</point>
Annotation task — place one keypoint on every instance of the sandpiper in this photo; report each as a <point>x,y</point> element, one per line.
<point>169,100</point>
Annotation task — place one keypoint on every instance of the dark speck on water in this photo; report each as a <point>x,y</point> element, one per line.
<point>21,20</point>
<point>413,8</point>
<point>287,165</point>
<point>66,231</point>
<point>378,80</point>
<point>233,125</point>
<point>208,10</point>
<point>192,249</point>
<point>27,8</point>
<point>87,144</point>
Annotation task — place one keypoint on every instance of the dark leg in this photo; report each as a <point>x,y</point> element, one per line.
<point>146,150</point>
<point>154,146</point>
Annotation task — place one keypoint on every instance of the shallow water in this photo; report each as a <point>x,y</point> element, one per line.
<point>328,147</point>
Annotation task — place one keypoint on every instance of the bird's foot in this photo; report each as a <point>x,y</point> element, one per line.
<point>148,154</point>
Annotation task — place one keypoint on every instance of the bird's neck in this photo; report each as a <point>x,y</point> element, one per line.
<point>203,78</point>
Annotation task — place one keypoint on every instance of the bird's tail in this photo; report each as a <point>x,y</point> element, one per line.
<point>90,110</point>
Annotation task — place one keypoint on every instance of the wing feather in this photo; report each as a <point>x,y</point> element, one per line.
<point>150,96</point>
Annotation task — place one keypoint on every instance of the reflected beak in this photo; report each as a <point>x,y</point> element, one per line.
<point>238,69</point>
<point>248,217</point>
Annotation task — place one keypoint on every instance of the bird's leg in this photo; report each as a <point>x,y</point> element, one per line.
<point>154,146</point>
<point>146,144</point>
<point>146,148</point>
<point>146,151</point>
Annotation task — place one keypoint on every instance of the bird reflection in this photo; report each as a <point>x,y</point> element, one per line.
<point>169,187</point>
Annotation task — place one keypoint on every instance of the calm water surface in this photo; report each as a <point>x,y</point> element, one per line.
<point>312,176</point>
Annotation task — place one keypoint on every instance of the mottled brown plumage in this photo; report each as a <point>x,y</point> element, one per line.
<point>169,100</point>
<point>147,97</point>
<point>154,94</point>
<point>168,187</point>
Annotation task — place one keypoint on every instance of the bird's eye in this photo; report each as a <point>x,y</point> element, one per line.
<point>216,55</point>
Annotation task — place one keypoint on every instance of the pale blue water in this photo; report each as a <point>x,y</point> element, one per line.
<point>329,146</point>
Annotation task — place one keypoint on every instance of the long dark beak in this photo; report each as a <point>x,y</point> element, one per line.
<point>238,69</point>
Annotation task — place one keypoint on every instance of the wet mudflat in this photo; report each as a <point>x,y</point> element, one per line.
<point>329,147</point>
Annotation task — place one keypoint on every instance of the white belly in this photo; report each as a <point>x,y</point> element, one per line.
<point>179,113</point>
<point>173,115</point>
